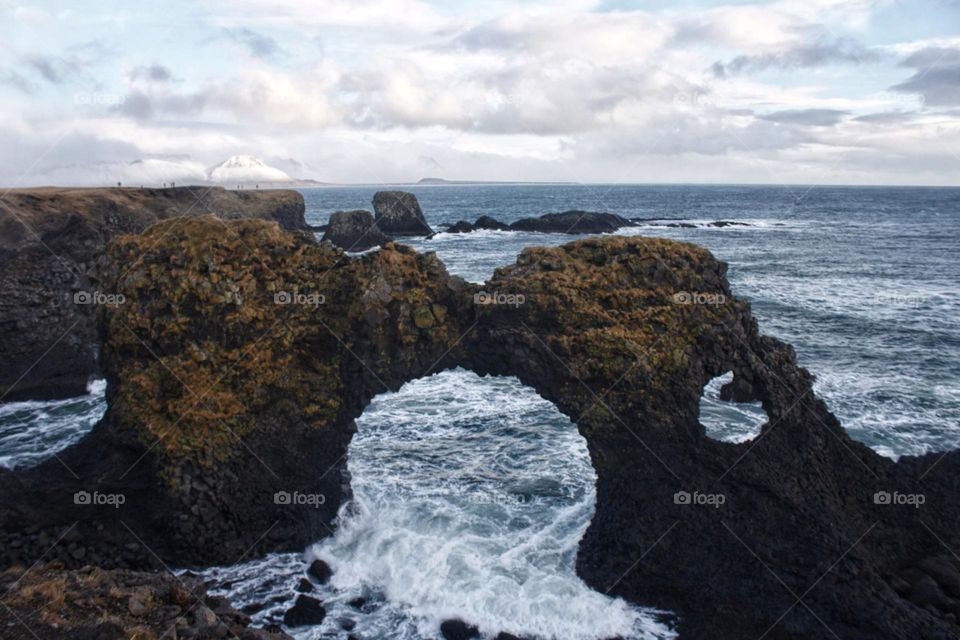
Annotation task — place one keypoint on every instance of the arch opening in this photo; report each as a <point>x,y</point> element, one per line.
<point>729,419</point>
<point>470,497</point>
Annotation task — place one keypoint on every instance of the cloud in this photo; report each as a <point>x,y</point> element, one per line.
<point>807,117</point>
<point>53,69</point>
<point>937,76</point>
<point>71,66</point>
<point>258,44</point>
<point>380,90</point>
<point>806,55</point>
<point>12,78</point>
<point>888,117</point>
<point>261,96</point>
<point>151,73</point>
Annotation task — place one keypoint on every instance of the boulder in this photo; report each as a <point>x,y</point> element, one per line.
<point>305,611</point>
<point>398,214</point>
<point>304,586</point>
<point>320,571</point>
<point>354,231</point>
<point>457,629</point>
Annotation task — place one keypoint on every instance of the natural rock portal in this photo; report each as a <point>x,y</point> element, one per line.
<point>726,419</point>
<point>239,361</point>
<point>470,497</point>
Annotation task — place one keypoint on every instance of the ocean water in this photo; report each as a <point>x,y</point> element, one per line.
<point>471,494</point>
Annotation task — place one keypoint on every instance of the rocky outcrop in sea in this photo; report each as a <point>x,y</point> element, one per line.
<point>49,238</point>
<point>238,362</point>
<point>572,222</point>
<point>354,231</point>
<point>398,213</point>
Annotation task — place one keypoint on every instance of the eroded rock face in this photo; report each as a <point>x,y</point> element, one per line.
<point>232,380</point>
<point>354,231</point>
<point>398,214</point>
<point>49,238</point>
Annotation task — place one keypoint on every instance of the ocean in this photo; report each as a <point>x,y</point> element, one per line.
<point>471,494</point>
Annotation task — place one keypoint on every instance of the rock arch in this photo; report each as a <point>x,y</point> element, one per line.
<point>239,360</point>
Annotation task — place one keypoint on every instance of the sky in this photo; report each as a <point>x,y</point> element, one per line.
<point>377,91</point>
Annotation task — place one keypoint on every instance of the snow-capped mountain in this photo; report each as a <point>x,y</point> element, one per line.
<point>246,169</point>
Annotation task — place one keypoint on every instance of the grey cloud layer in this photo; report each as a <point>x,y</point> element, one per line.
<point>937,76</point>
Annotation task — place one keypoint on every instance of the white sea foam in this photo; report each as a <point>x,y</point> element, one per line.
<point>33,430</point>
<point>729,421</point>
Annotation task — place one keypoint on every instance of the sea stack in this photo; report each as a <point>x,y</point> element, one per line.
<point>399,214</point>
<point>354,231</point>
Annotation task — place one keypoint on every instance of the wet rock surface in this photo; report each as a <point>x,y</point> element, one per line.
<point>49,238</point>
<point>305,611</point>
<point>225,397</point>
<point>458,630</point>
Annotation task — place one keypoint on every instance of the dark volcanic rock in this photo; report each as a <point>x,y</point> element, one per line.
<point>572,222</point>
<point>730,535</point>
<point>458,630</point>
<point>305,586</point>
<point>398,214</point>
<point>320,571</point>
<point>305,611</point>
<point>728,223</point>
<point>483,222</point>
<point>740,389</point>
<point>460,227</point>
<point>48,288</point>
<point>492,224</point>
<point>354,231</point>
